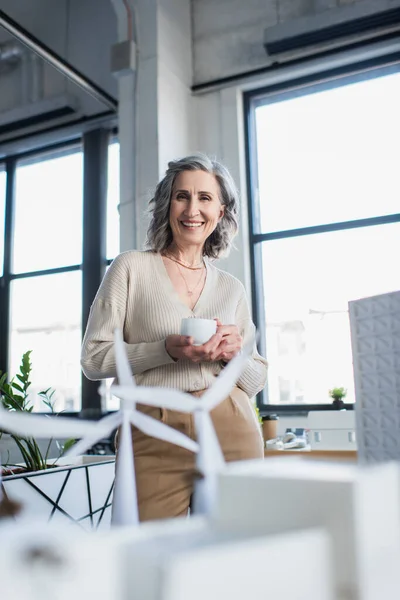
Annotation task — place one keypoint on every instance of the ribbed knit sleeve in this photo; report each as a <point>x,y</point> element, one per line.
<point>107,313</point>
<point>254,376</point>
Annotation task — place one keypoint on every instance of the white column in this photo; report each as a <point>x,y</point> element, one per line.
<point>155,118</point>
<point>127,28</point>
<point>220,133</point>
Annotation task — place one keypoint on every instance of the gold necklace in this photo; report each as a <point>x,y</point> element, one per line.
<point>183,264</point>
<point>190,292</point>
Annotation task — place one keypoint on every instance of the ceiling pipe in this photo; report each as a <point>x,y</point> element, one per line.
<point>57,62</point>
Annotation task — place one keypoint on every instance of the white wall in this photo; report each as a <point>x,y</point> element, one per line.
<point>220,133</point>
<point>174,80</point>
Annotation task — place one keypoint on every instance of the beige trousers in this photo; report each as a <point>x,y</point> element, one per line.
<point>165,472</point>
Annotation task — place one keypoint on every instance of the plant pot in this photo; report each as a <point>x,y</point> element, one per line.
<point>338,404</point>
<point>79,493</point>
<point>10,471</point>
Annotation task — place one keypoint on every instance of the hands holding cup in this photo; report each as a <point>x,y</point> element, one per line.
<point>204,340</point>
<point>231,343</point>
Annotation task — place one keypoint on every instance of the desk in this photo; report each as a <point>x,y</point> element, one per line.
<point>348,455</point>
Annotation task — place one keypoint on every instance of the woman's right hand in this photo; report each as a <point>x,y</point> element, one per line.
<point>181,347</point>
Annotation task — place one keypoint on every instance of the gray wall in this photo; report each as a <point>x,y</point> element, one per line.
<point>80,31</point>
<point>225,37</point>
<point>228,34</point>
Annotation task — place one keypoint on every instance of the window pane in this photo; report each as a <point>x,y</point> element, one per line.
<point>109,401</point>
<point>330,156</point>
<point>48,214</point>
<point>3,180</point>
<point>46,318</point>
<point>308,282</point>
<point>113,201</point>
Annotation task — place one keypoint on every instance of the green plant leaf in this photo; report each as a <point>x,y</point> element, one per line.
<point>17,387</point>
<point>44,392</point>
<point>26,365</point>
<point>23,380</point>
<point>11,400</point>
<point>337,393</point>
<point>68,444</point>
<point>18,399</point>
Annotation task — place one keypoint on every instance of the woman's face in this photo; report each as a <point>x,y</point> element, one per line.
<point>195,207</point>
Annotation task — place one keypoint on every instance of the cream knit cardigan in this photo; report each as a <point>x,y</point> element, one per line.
<point>138,297</point>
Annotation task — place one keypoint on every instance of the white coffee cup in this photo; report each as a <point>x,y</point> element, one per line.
<point>201,330</point>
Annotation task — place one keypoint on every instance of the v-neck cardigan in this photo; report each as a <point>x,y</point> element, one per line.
<point>138,297</point>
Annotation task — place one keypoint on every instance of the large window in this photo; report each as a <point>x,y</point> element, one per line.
<point>45,311</point>
<point>46,315</point>
<point>48,212</point>
<point>43,263</point>
<point>325,224</point>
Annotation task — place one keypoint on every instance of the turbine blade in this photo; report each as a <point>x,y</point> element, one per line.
<point>82,446</point>
<point>210,458</point>
<point>27,424</point>
<point>209,462</point>
<point>226,380</point>
<point>124,505</point>
<point>103,428</point>
<point>159,397</point>
<point>159,430</point>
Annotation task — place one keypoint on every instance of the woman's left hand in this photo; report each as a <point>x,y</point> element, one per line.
<point>231,343</point>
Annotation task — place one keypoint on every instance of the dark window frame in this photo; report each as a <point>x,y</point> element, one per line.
<point>93,145</point>
<point>252,99</point>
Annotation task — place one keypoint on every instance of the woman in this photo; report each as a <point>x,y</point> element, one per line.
<point>147,294</point>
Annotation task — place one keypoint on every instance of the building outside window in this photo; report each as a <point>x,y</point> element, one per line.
<point>325,222</point>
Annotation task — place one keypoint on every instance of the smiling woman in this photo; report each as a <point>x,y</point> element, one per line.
<point>195,210</point>
<point>148,294</point>
<point>160,233</point>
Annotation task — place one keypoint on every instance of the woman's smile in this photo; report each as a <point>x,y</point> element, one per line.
<point>192,224</point>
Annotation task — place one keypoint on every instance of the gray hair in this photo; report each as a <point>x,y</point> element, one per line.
<point>159,233</point>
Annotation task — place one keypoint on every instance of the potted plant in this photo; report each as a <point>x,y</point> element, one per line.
<point>15,397</point>
<point>338,393</point>
<point>51,486</point>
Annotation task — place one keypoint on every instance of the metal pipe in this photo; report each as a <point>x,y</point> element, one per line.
<point>56,61</point>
